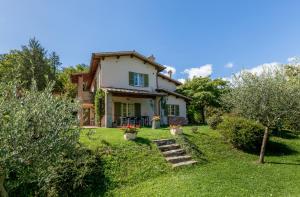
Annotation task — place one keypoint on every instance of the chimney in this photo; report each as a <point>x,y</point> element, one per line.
<point>170,73</point>
<point>152,58</point>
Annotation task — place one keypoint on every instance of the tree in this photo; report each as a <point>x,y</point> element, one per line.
<point>36,128</point>
<point>268,98</point>
<point>204,92</point>
<point>63,81</point>
<point>31,62</point>
<point>292,71</point>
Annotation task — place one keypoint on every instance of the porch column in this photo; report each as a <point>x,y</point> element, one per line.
<point>108,110</point>
<point>156,106</point>
<point>80,116</point>
<point>80,88</point>
<point>79,95</point>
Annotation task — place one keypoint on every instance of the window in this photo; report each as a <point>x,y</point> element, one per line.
<point>173,110</point>
<point>84,86</point>
<point>138,79</point>
<point>124,109</point>
<point>127,109</point>
<point>130,111</point>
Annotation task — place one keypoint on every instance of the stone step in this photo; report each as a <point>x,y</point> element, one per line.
<point>175,152</point>
<point>184,163</point>
<point>162,142</point>
<point>178,159</point>
<point>169,147</point>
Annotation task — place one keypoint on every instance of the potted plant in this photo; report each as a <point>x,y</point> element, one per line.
<point>130,132</point>
<point>155,122</point>
<point>175,129</point>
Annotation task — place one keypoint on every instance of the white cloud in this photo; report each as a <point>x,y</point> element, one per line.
<point>229,65</point>
<point>181,80</point>
<point>260,68</point>
<point>229,79</point>
<point>202,71</point>
<point>257,70</point>
<point>168,68</point>
<point>291,59</point>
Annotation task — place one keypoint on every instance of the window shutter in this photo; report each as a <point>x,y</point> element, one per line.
<point>117,109</point>
<point>177,110</point>
<point>146,80</point>
<point>166,110</point>
<point>131,78</point>
<point>137,109</point>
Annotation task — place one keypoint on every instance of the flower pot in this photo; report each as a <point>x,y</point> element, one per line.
<point>176,131</point>
<point>129,136</point>
<point>155,124</point>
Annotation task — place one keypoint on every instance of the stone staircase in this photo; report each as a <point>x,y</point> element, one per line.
<point>173,153</point>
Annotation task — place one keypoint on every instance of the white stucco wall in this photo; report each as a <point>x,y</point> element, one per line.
<point>147,104</point>
<point>165,84</point>
<point>96,80</point>
<point>98,77</point>
<point>172,100</point>
<point>115,72</point>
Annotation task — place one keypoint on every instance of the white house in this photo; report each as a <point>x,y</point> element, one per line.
<point>135,90</point>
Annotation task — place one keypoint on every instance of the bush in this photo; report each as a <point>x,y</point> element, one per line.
<point>214,121</point>
<point>36,128</point>
<point>242,133</point>
<point>76,174</point>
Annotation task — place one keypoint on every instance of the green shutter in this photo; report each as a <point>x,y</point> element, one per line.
<point>166,110</point>
<point>137,109</point>
<point>146,80</point>
<point>117,112</point>
<point>131,78</point>
<point>117,109</point>
<point>177,110</point>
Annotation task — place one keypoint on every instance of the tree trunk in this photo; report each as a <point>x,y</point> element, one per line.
<point>263,146</point>
<point>203,115</point>
<point>3,192</point>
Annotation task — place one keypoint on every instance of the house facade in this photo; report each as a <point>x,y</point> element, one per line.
<point>135,90</point>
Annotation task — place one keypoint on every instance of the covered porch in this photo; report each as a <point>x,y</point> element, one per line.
<point>127,106</point>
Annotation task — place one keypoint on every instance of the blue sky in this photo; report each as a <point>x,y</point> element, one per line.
<point>198,37</point>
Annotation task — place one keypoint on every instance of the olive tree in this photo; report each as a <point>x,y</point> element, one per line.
<point>268,97</point>
<point>36,128</point>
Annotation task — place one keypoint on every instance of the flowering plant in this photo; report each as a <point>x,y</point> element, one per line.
<point>155,117</point>
<point>174,126</point>
<point>130,129</point>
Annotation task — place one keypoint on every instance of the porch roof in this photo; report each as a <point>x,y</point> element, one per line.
<point>174,94</point>
<point>74,77</point>
<point>133,92</point>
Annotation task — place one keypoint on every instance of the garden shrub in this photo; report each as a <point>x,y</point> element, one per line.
<point>36,128</point>
<point>77,174</point>
<point>242,133</point>
<point>214,121</point>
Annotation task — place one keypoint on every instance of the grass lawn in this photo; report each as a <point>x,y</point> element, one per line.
<point>138,169</point>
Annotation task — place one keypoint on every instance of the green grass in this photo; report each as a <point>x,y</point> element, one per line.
<point>138,169</point>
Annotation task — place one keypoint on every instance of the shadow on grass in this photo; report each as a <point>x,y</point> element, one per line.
<point>284,163</point>
<point>273,149</point>
<point>285,134</point>
<point>279,149</point>
<point>143,141</point>
<point>191,147</point>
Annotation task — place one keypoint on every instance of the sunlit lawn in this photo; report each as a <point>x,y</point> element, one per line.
<point>138,169</point>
